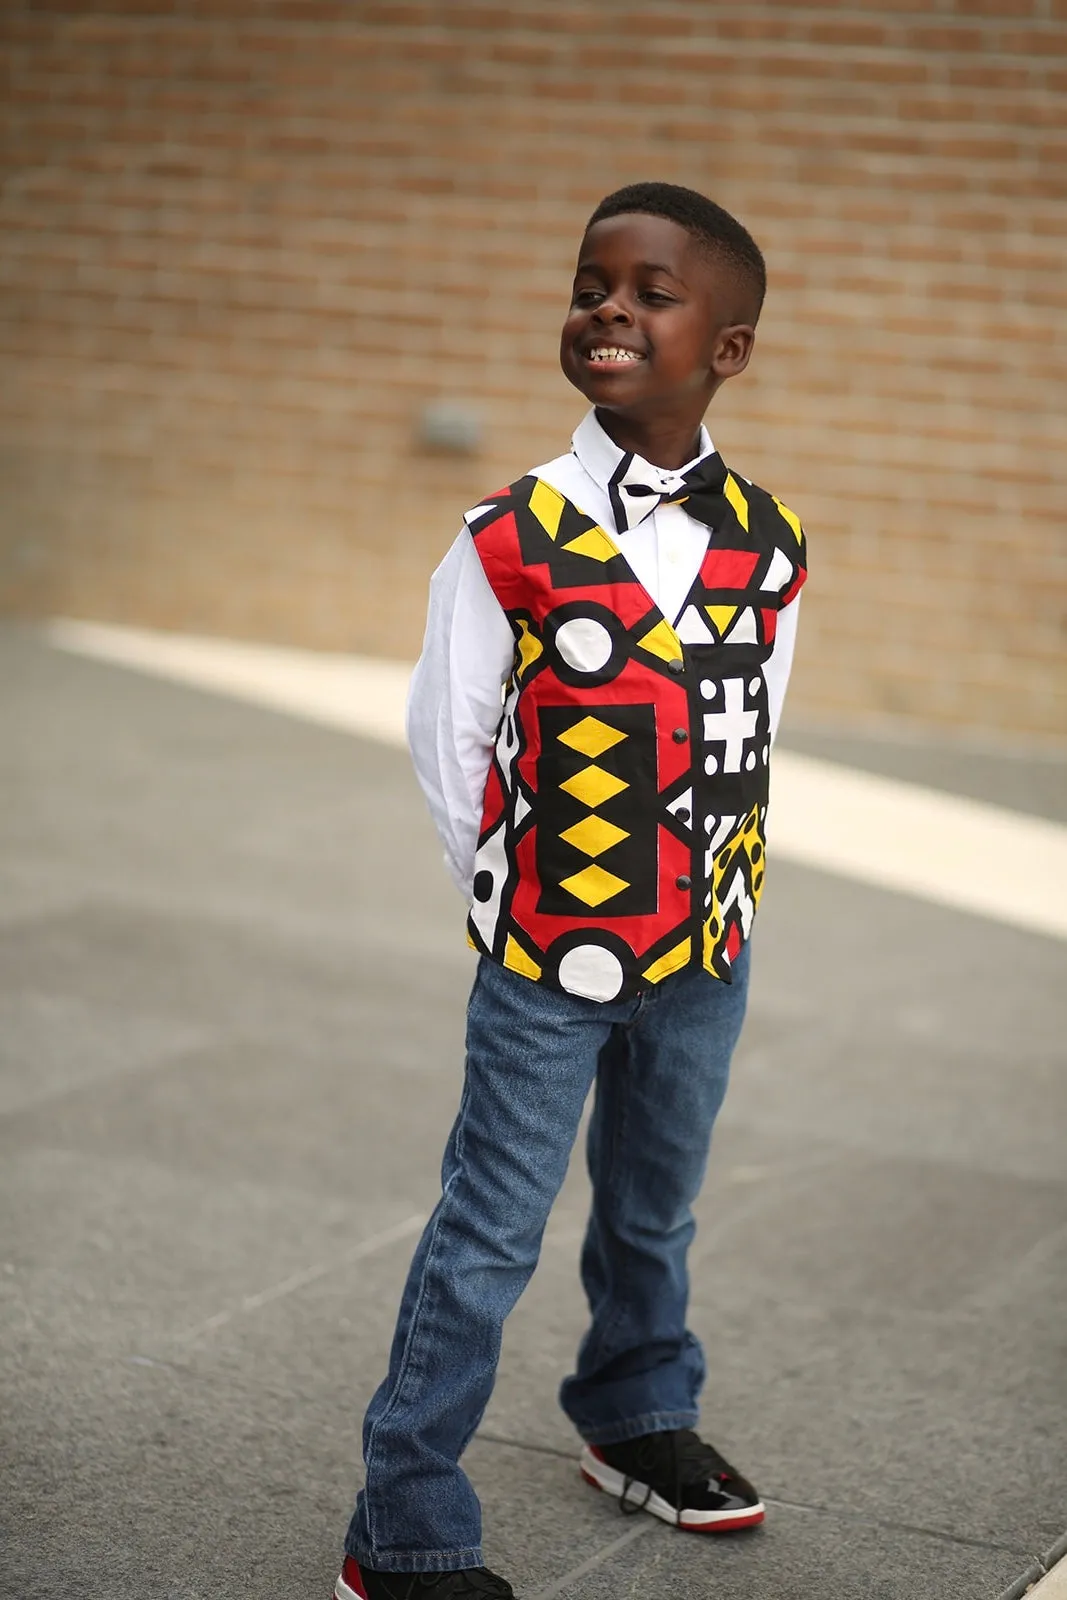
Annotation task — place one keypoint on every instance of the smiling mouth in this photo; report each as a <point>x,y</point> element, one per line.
<point>610,354</point>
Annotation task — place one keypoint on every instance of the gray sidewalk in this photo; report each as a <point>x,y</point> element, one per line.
<point>232,982</point>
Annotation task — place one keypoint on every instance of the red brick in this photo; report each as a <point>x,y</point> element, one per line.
<point>247,244</point>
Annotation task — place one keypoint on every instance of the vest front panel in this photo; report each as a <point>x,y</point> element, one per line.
<point>623,829</point>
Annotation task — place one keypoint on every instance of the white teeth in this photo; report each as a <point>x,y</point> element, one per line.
<point>613,353</point>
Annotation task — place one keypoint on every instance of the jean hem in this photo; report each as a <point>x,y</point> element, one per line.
<point>418,1560</point>
<point>638,1427</point>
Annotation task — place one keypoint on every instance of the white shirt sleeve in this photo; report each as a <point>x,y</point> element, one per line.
<point>455,701</point>
<point>776,672</point>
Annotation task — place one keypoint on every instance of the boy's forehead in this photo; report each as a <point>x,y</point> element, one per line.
<point>640,238</point>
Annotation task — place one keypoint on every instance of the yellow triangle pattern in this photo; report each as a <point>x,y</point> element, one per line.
<point>547,505</point>
<point>595,544</point>
<point>593,885</point>
<point>722,617</point>
<point>593,835</point>
<point>668,963</point>
<point>516,958</point>
<point>732,491</point>
<point>591,737</point>
<point>662,641</point>
<point>791,518</point>
<point>592,786</point>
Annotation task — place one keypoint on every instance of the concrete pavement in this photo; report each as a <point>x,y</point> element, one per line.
<point>232,980</point>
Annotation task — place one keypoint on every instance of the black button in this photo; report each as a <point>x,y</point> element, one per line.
<point>683,814</point>
<point>684,882</point>
<point>679,735</point>
<point>677,666</point>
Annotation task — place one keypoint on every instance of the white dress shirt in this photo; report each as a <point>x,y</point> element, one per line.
<point>454,704</point>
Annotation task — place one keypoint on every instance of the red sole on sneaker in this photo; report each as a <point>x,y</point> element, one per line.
<point>349,1586</point>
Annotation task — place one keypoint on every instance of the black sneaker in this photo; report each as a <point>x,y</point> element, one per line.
<point>474,1583</point>
<point>677,1477</point>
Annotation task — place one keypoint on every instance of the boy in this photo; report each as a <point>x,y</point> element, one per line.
<point>632,607</point>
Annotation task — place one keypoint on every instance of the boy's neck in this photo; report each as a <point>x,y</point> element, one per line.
<point>667,443</point>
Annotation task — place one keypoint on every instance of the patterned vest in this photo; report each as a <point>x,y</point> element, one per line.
<point>622,837</point>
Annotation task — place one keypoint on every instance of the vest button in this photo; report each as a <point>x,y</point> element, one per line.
<point>680,735</point>
<point>676,665</point>
<point>683,882</point>
<point>683,814</point>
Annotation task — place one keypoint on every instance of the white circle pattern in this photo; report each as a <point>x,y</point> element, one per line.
<point>584,644</point>
<point>592,971</point>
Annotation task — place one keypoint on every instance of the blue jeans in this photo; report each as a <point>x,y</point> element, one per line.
<point>660,1061</point>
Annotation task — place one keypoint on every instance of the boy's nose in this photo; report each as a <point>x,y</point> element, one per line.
<point>611,311</point>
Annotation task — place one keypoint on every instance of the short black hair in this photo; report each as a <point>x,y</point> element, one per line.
<point>716,230</point>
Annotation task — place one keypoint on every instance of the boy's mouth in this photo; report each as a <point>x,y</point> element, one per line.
<point>611,354</point>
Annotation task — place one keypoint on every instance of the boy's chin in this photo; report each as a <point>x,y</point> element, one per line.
<point>609,391</point>
<point>610,388</point>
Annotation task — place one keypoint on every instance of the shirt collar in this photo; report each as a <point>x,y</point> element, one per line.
<point>613,470</point>
<point>602,460</point>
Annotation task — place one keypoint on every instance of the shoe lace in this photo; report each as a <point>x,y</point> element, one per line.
<point>695,1461</point>
<point>692,1461</point>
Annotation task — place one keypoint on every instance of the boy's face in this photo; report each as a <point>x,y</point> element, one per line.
<point>655,324</point>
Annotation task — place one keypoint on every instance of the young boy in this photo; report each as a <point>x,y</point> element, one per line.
<point>605,661</point>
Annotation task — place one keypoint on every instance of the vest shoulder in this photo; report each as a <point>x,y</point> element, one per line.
<point>553,474</point>
<point>772,517</point>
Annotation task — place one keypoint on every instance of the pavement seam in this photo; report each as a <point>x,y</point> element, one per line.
<point>300,1280</point>
<point>1042,1573</point>
<point>891,1526</point>
<point>941,1534</point>
<point>591,1563</point>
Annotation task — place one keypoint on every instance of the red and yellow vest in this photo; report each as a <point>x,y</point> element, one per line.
<point>622,836</point>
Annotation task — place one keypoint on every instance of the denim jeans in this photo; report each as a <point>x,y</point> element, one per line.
<point>660,1062</point>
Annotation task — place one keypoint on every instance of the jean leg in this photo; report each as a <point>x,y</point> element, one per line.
<point>660,1083</point>
<point>531,1056</point>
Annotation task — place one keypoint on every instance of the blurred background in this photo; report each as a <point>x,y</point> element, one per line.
<point>282,282</point>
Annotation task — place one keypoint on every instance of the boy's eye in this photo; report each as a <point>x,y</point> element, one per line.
<point>658,297</point>
<point>587,297</point>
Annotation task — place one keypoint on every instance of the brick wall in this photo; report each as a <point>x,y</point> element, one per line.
<point>246,243</point>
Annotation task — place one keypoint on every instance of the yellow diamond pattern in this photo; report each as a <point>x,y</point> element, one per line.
<point>592,786</point>
<point>591,737</point>
<point>593,835</point>
<point>547,506</point>
<point>593,885</point>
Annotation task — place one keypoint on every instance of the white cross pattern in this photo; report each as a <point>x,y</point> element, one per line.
<point>731,726</point>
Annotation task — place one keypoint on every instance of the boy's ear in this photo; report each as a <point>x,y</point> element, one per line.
<point>733,347</point>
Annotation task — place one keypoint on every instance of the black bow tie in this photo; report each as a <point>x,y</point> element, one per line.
<point>636,489</point>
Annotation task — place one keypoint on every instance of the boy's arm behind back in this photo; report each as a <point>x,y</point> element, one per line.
<point>777,670</point>
<point>454,703</point>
